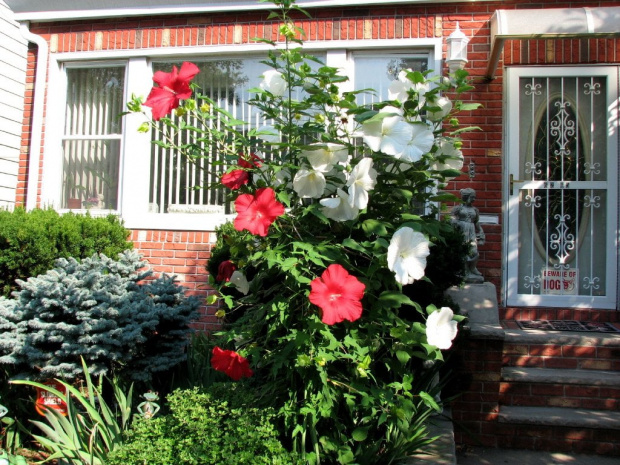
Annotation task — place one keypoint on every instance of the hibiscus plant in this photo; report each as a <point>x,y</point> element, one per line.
<point>335,204</point>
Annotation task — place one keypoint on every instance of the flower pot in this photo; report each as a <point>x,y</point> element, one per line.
<point>74,204</point>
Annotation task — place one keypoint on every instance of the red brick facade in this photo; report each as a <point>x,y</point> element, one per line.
<point>484,148</point>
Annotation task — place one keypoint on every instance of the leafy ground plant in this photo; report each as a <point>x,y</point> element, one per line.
<point>213,426</point>
<point>91,429</point>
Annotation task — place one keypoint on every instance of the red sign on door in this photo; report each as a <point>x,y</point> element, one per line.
<point>46,400</point>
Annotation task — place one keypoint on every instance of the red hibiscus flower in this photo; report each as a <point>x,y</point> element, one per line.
<point>256,212</point>
<point>225,271</point>
<point>251,161</point>
<point>338,294</point>
<point>173,86</point>
<point>231,363</point>
<point>235,179</point>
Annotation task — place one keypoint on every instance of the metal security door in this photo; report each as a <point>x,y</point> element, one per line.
<point>561,185</point>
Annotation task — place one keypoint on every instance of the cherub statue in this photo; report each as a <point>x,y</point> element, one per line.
<point>467,219</point>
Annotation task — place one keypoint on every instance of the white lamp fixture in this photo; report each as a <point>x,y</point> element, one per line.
<point>457,49</point>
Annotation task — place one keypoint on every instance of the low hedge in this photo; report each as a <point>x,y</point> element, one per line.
<point>205,427</point>
<point>32,240</point>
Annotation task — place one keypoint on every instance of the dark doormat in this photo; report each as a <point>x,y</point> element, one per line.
<point>568,325</point>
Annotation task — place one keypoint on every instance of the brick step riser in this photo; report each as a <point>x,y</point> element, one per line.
<point>559,395</point>
<point>579,314</point>
<point>555,438</point>
<point>558,356</point>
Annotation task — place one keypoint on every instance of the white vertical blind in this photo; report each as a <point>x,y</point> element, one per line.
<point>92,135</point>
<point>178,185</point>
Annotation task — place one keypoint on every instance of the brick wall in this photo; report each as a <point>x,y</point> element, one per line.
<point>476,405</point>
<point>484,148</point>
<point>185,255</point>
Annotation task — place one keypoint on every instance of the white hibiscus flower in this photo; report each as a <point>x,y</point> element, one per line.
<point>362,179</point>
<point>338,208</point>
<point>441,329</point>
<point>399,88</point>
<point>421,142</point>
<point>451,157</point>
<point>445,106</point>
<point>325,156</point>
<point>274,82</point>
<point>309,184</point>
<point>389,135</point>
<point>239,280</point>
<point>407,254</point>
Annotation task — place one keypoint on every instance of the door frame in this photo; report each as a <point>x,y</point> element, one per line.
<point>511,202</point>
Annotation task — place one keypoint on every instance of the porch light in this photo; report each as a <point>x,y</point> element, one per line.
<point>457,49</point>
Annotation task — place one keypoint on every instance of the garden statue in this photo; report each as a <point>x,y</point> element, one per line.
<point>467,218</point>
<point>149,407</point>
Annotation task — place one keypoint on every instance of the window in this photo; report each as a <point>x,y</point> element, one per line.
<point>92,138</point>
<point>376,72</point>
<point>180,186</point>
<point>95,160</point>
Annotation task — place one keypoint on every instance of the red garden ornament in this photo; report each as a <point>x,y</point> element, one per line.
<point>47,400</point>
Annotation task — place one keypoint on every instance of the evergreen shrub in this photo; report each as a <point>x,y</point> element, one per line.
<point>205,427</point>
<point>103,310</point>
<point>32,240</point>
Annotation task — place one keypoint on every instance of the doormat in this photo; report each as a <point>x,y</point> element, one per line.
<point>568,325</point>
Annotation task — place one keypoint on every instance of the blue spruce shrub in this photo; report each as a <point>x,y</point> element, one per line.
<point>110,312</point>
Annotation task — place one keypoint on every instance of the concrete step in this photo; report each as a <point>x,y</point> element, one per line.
<point>443,450</point>
<point>557,416</point>
<point>561,376</point>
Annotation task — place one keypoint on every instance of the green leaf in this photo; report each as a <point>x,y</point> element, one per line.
<point>375,227</point>
<point>288,263</point>
<point>360,433</point>
<point>430,401</point>
<point>144,127</point>
<point>394,299</point>
<point>345,456</point>
<point>419,327</point>
<point>468,106</point>
<point>402,356</point>
<point>353,245</point>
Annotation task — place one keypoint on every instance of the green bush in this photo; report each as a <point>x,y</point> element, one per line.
<point>102,310</point>
<point>205,427</point>
<point>31,241</point>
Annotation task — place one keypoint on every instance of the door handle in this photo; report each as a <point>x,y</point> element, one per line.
<point>513,180</point>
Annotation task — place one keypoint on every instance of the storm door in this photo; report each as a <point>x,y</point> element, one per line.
<point>562,187</point>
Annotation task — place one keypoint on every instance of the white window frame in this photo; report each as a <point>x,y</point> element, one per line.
<point>136,147</point>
